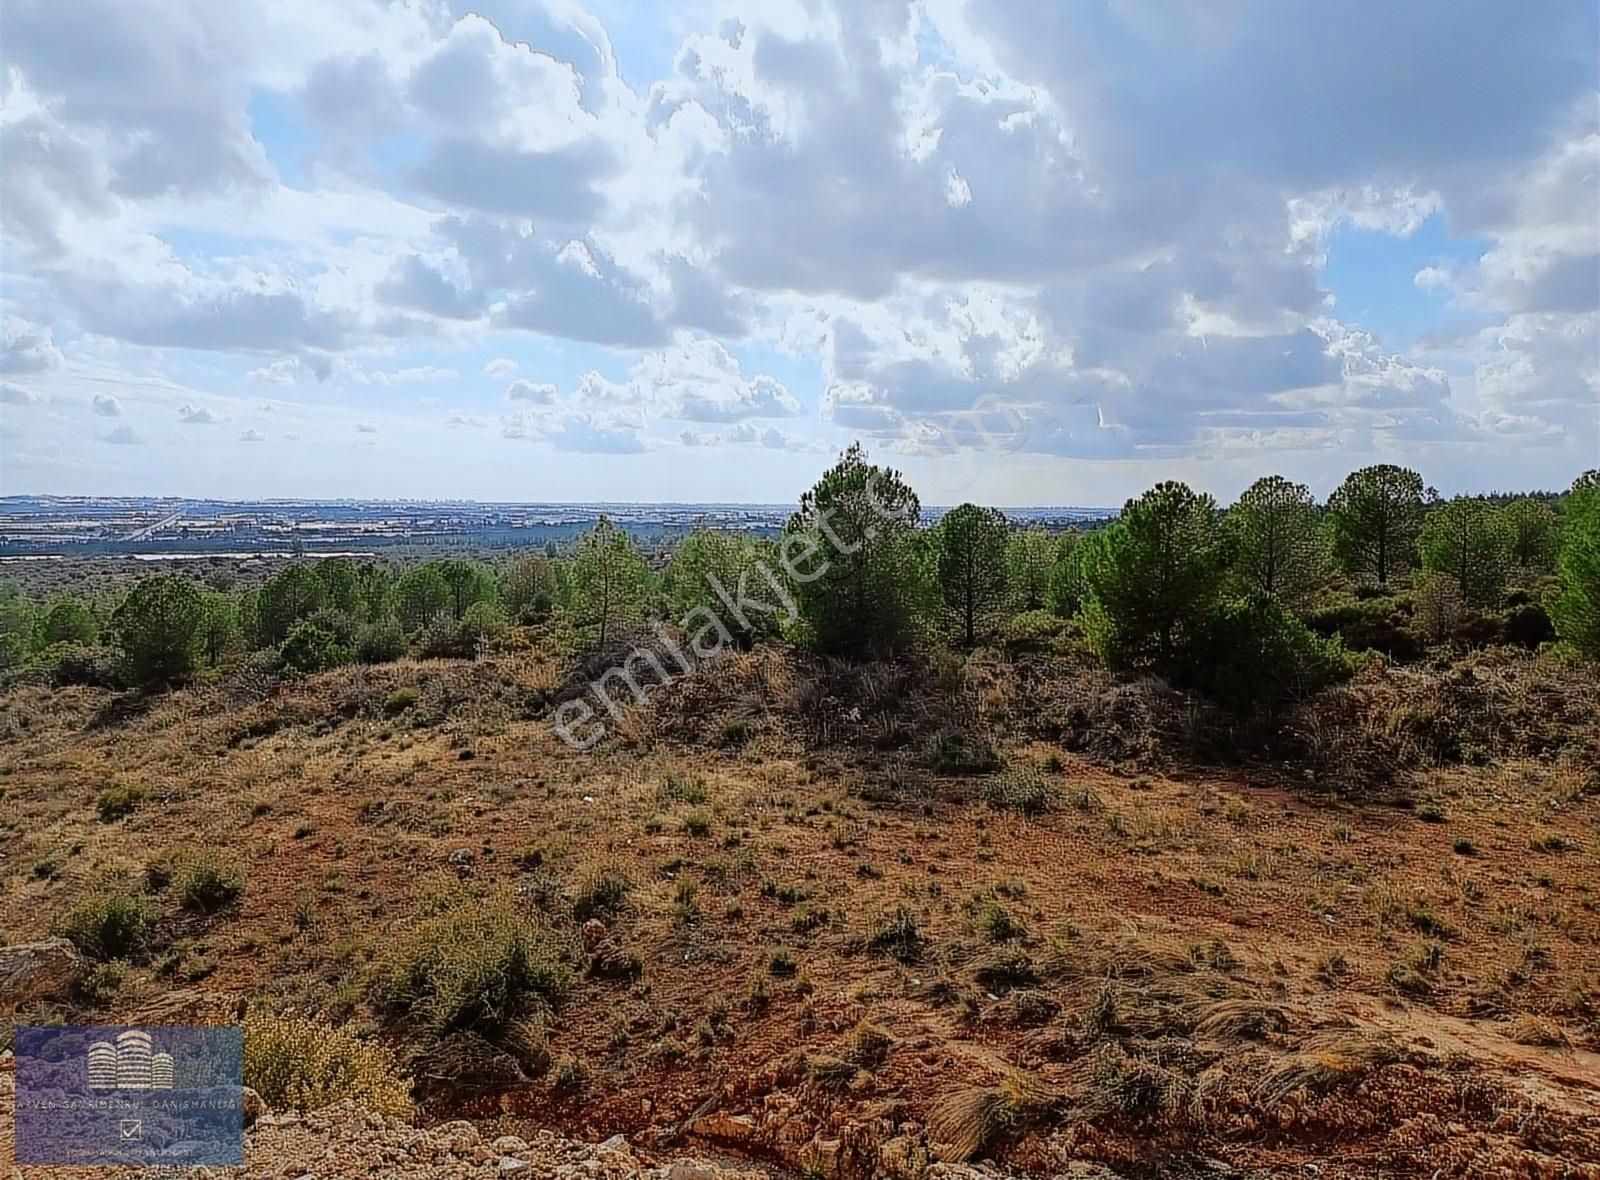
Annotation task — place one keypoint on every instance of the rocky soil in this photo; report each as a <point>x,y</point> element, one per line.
<point>345,1140</point>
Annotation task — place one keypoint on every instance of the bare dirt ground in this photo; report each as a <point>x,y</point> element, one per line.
<point>838,955</point>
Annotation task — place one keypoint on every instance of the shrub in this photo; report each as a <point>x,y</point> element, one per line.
<point>1020,788</point>
<point>897,935</point>
<point>1253,653</point>
<point>108,925</point>
<point>1381,623</point>
<point>483,622</point>
<point>116,802</point>
<point>602,890</point>
<point>682,788</point>
<point>1034,630</point>
<point>299,1063</point>
<point>69,620</point>
<point>472,965</point>
<point>399,701</point>
<point>204,885</point>
<point>311,648</point>
<point>380,642</point>
<point>77,663</point>
<point>440,638</point>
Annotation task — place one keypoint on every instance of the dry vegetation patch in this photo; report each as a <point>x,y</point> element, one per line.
<point>1010,909</point>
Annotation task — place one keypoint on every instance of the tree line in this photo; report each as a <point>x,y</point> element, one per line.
<point>1247,603</point>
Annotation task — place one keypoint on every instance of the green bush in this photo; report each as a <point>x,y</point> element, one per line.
<point>473,965</point>
<point>310,648</point>
<point>380,642</point>
<point>1034,630</point>
<point>399,701</point>
<point>1020,788</point>
<point>601,891</point>
<point>78,663</point>
<point>108,925</point>
<point>69,620</point>
<point>1252,653</point>
<point>117,802</point>
<point>483,622</point>
<point>1382,623</point>
<point>204,885</point>
<point>441,638</point>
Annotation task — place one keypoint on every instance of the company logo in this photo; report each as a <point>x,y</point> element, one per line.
<point>164,1096</point>
<point>129,1064</point>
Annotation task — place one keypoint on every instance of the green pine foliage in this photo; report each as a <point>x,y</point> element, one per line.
<point>1576,609</point>
<point>1276,541</point>
<point>1152,577</point>
<point>1468,541</point>
<point>1375,516</point>
<point>609,581</point>
<point>858,572</point>
<point>158,627</point>
<point>970,550</point>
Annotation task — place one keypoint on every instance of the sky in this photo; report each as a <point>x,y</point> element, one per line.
<point>549,250</point>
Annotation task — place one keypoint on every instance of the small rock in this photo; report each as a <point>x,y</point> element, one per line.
<point>509,1145</point>
<point>462,860</point>
<point>510,1165</point>
<point>691,1170</point>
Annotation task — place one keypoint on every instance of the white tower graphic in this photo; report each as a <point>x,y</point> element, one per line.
<point>129,1064</point>
<point>102,1066</point>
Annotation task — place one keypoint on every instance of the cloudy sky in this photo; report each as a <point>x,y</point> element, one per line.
<point>537,250</point>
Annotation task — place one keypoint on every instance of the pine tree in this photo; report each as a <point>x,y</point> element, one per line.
<point>609,579</point>
<point>970,555</point>
<point>1152,577</point>
<point>1375,517</point>
<point>1276,541</point>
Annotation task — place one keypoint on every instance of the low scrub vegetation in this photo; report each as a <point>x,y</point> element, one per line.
<point>297,1063</point>
<point>474,964</point>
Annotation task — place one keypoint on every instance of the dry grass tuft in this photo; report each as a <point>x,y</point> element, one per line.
<point>1239,1018</point>
<point>974,1120</point>
<point>1326,1060</point>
